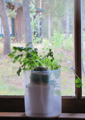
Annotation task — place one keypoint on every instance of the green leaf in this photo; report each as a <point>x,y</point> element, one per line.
<point>14,61</point>
<point>78,80</point>
<point>29,43</point>
<point>11,55</point>
<point>27,49</point>
<point>78,85</point>
<point>15,48</point>
<point>18,72</point>
<point>25,68</point>
<point>18,48</point>
<point>18,56</point>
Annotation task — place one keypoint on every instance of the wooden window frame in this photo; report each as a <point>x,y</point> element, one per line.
<point>77,43</point>
<point>69,104</point>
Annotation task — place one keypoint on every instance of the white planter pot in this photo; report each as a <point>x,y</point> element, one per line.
<point>43,100</point>
<point>40,98</point>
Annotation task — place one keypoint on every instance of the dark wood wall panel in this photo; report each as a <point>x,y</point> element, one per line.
<point>73,105</point>
<point>16,104</point>
<point>11,104</point>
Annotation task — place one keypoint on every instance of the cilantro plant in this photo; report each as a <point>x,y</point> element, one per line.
<point>29,59</point>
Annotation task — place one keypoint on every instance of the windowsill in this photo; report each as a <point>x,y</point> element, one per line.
<point>22,115</point>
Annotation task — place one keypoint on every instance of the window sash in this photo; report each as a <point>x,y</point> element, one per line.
<point>69,104</point>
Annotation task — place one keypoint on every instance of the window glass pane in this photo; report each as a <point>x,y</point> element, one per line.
<point>10,83</point>
<point>58,26</point>
<point>55,26</point>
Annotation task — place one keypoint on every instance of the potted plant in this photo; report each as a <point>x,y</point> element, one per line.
<point>39,91</point>
<point>39,66</point>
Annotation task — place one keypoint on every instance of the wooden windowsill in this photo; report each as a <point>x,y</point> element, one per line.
<point>22,115</point>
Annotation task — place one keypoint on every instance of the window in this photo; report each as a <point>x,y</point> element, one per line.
<point>69,104</point>
<point>57,30</point>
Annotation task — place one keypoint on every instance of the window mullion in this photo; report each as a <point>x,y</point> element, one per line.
<point>77,43</point>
